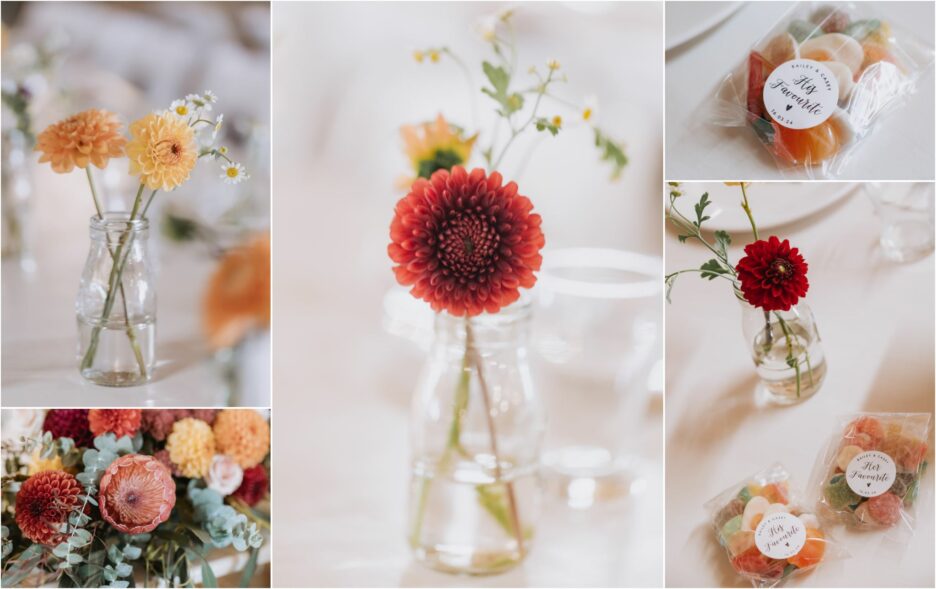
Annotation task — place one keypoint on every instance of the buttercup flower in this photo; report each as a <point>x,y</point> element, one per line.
<point>254,486</point>
<point>43,503</point>
<point>69,423</point>
<point>162,151</point>
<point>233,173</point>
<point>224,475</point>
<point>39,464</point>
<point>191,446</point>
<point>120,422</point>
<point>772,274</point>
<point>465,242</point>
<point>435,146</point>
<point>89,137</point>
<point>244,435</point>
<point>238,296</point>
<point>137,494</point>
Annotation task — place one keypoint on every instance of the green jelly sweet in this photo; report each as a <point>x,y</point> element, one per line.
<point>860,29</point>
<point>839,494</point>
<point>802,30</point>
<point>731,526</point>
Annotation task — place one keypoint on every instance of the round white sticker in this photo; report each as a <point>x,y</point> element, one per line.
<point>801,93</point>
<point>780,535</point>
<point>871,473</point>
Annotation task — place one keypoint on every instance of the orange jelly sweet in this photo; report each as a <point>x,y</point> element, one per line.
<point>807,146</point>
<point>812,552</point>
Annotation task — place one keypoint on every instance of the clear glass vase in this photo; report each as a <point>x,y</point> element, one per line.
<point>787,351</point>
<point>116,303</point>
<point>477,428</point>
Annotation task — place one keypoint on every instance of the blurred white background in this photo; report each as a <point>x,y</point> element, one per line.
<point>132,58</point>
<point>344,82</point>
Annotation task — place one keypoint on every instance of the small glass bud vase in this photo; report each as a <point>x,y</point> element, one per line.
<point>787,351</point>
<point>116,303</point>
<point>477,429</point>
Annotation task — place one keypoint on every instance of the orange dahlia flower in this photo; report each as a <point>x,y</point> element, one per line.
<point>435,146</point>
<point>43,503</point>
<point>238,296</point>
<point>120,422</point>
<point>137,494</point>
<point>89,137</point>
<point>466,243</point>
<point>244,435</point>
<point>162,151</point>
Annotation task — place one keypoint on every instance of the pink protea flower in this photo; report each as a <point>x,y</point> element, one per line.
<point>137,494</point>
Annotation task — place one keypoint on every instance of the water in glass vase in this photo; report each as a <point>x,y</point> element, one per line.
<point>463,520</point>
<point>787,381</point>
<point>118,356</point>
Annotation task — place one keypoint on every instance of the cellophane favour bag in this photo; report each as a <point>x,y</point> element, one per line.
<point>813,88</point>
<point>870,474</point>
<point>767,531</point>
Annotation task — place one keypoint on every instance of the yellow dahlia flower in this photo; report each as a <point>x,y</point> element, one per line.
<point>39,464</point>
<point>435,146</point>
<point>162,151</point>
<point>191,446</point>
<point>89,137</point>
<point>242,434</point>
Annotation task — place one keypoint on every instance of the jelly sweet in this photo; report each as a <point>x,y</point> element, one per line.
<point>808,146</point>
<point>885,509</point>
<point>812,551</point>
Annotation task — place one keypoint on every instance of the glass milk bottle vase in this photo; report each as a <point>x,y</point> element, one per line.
<point>477,429</point>
<point>116,303</point>
<point>787,351</point>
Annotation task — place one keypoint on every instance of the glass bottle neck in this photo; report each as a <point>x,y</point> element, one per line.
<point>508,328</point>
<point>114,225</point>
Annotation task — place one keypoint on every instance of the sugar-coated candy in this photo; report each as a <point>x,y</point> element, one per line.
<point>756,564</point>
<point>885,509</point>
<point>831,19</point>
<point>907,451</point>
<point>812,551</point>
<point>846,454</point>
<point>866,428</point>
<point>776,492</point>
<point>839,494</point>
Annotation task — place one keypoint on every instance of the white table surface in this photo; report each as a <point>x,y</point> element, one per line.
<point>900,148</point>
<point>342,385</point>
<point>876,321</point>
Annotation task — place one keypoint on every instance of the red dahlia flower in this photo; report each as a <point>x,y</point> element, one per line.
<point>465,242</point>
<point>43,503</point>
<point>772,274</point>
<point>69,423</point>
<point>253,486</point>
<point>120,422</point>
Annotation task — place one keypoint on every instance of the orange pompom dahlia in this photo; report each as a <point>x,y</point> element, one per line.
<point>137,494</point>
<point>89,137</point>
<point>162,151</point>
<point>466,243</point>
<point>238,296</point>
<point>43,503</point>
<point>242,434</point>
<point>120,422</point>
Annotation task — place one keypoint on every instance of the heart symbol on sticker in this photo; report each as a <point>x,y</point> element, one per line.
<point>789,106</point>
<point>869,485</point>
<point>787,544</point>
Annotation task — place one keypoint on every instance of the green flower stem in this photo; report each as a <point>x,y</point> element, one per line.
<point>115,278</point>
<point>131,333</point>
<point>791,360</point>
<point>514,133</point>
<point>747,211</point>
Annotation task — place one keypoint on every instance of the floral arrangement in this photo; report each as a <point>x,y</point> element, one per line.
<point>121,497</point>
<point>163,149</point>
<point>771,277</point>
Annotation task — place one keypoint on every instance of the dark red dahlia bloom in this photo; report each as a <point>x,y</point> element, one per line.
<point>69,423</point>
<point>465,242</point>
<point>253,487</point>
<point>772,274</point>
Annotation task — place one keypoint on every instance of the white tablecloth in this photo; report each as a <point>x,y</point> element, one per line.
<point>342,384</point>
<point>876,320</point>
<point>900,148</point>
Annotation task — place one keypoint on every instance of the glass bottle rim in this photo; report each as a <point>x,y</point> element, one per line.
<point>118,221</point>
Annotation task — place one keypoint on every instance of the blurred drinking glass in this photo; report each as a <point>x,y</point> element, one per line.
<point>597,335</point>
<point>906,212</point>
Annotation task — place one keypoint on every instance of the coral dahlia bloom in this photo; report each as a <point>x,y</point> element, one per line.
<point>120,422</point>
<point>137,494</point>
<point>466,243</point>
<point>191,446</point>
<point>772,274</point>
<point>43,503</point>
<point>242,434</point>
<point>238,296</point>
<point>69,423</point>
<point>89,137</point>
<point>162,151</point>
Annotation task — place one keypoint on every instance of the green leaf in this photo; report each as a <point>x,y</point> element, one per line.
<point>712,269</point>
<point>722,241</point>
<point>132,552</point>
<point>493,498</point>
<point>75,558</point>
<point>124,570</point>
<point>497,76</point>
<point>611,152</point>
<point>208,576</point>
<point>61,550</point>
<point>499,91</point>
<point>543,124</point>
<point>251,566</point>
<point>700,210</point>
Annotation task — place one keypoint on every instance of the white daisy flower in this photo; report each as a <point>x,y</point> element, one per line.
<point>209,97</point>
<point>182,108</point>
<point>198,102</point>
<point>233,173</point>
